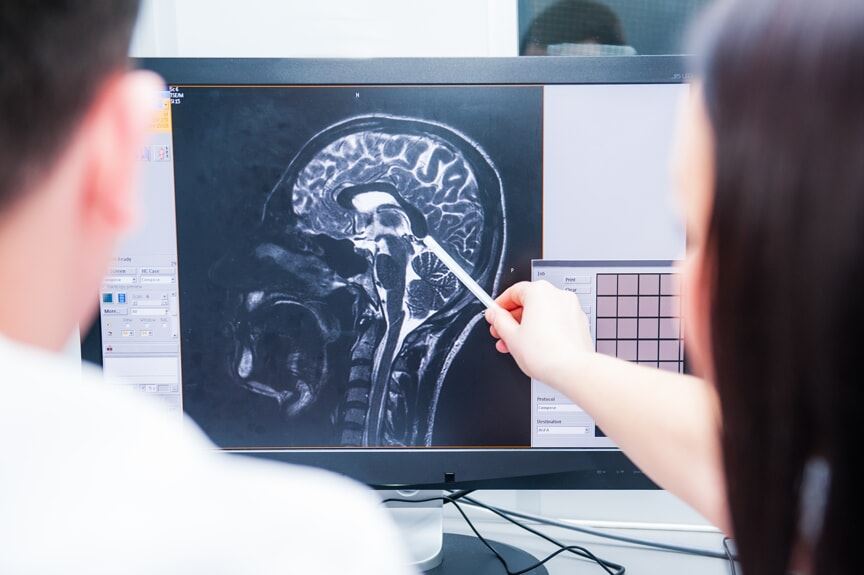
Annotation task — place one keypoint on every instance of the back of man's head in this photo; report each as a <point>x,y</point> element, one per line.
<point>54,54</point>
<point>72,116</point>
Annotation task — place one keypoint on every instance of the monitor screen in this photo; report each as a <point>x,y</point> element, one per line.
<point>287,290</point>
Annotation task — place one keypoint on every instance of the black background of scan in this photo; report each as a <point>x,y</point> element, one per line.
<point>231,145</point>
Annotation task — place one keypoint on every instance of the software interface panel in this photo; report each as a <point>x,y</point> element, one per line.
<point>633,311</point>
<point>283,290</point>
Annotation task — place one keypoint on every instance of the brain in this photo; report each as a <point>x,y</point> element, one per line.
<point>428,172</point>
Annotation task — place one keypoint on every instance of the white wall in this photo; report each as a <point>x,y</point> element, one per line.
<point>327,28</point>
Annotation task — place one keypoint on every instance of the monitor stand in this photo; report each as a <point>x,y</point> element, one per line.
<point>437,553</point>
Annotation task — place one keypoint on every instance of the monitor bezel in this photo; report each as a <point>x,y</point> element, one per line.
<point>431,467</point>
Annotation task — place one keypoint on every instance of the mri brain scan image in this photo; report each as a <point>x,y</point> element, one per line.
<point>331,314</point>
<point>374,188</point>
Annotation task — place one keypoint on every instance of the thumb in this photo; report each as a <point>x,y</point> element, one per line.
<point>505,324</point>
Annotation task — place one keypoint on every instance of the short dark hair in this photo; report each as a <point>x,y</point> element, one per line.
<point>574,22</point>
<point>54,55</point>
<point>784,88</point>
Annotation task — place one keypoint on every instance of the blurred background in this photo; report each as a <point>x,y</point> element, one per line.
<point>412,28</point>
<point>612,27</point>
<point>439,28</point>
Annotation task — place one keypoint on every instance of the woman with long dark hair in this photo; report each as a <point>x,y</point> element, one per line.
<point>770,168</point>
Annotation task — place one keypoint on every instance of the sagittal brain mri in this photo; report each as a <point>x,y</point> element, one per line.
<point>367,191</point>
<point>331,316</point>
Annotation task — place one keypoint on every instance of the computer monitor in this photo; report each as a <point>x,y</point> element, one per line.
<point>286,288</point>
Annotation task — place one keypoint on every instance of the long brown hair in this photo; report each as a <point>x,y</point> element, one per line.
<point>784,88</point>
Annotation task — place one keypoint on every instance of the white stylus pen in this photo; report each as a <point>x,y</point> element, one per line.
<point>460,272</point>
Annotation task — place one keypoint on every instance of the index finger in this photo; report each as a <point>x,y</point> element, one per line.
<point>514,296</point>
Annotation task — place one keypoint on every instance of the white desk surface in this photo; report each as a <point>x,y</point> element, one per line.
<point>636,560</point>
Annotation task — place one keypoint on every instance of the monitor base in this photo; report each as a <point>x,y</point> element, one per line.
<point>466,554</point>
<point>419,516</point>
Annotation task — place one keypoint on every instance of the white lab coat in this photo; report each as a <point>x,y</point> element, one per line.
<point>97,480</point>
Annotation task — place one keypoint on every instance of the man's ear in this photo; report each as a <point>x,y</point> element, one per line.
<point>114,129</point>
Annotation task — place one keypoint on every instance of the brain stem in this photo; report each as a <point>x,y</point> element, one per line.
<point>390,264</point>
